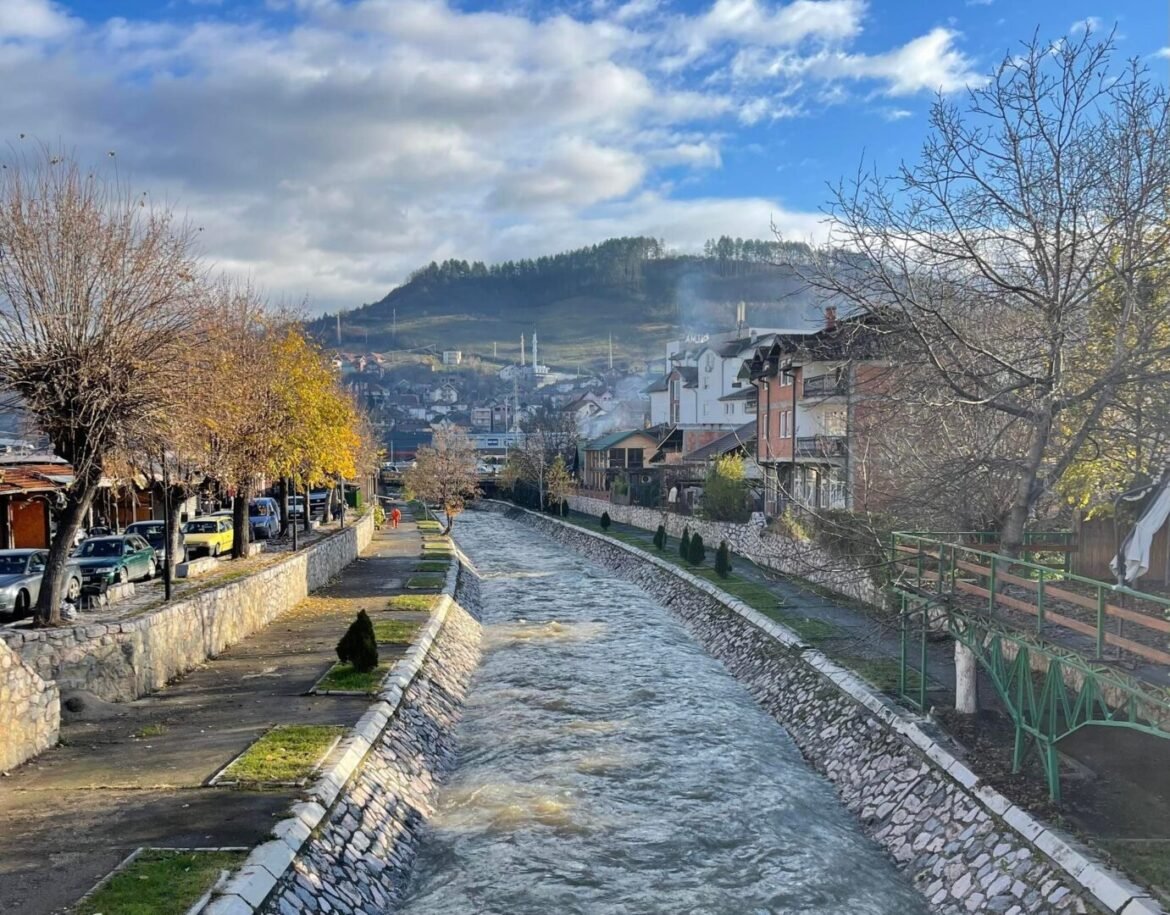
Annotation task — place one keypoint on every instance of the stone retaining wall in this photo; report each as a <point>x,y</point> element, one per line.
<point>120,661</point>
<point>350,847</point>
<point>965,846</point>
<point>30,711</point>
<point>763,547</point>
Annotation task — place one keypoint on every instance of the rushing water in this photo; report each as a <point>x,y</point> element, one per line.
<point>609,765</point>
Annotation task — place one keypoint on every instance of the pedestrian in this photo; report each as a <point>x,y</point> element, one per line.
<point>395,517</point>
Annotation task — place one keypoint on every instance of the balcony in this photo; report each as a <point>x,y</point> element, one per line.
<point>822,446</point>
<point>831,385</point>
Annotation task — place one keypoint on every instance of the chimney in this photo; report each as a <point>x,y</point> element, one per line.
<point>831,318</point>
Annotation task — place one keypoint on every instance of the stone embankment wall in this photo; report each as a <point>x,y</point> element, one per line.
<point>30,711</point>
<point>965,846</point>
<point>350,847</point>
<point>120,661</point>
<point>763,547</point>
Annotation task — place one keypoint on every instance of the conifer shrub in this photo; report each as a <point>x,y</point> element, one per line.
<point>723,560</point>
<point>660,537</point>
<point>359,646</point>
<point>605,521</point>
<point>684,545</point>
<point>695,551</point>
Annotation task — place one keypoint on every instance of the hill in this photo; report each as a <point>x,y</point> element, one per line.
<point>631,288</point>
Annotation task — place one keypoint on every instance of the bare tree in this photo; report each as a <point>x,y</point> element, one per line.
<point>548,435</point>
<point>444,473</point>
<point>1015,262</point>
<point>95,285</point>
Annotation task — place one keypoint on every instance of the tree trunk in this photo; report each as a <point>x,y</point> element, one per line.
<point>450,521</point>
<point>242,530</point>
<point>307,522</point>
<point>282,498</point>
<point>79,497</point>
<point>1012,536</point>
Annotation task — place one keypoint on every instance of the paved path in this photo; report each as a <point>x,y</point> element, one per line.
<point>76,811</point>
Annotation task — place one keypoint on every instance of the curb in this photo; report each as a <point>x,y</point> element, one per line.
<point>1112,890</point>
<point>253,882</point>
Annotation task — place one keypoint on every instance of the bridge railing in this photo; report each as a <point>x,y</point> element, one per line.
<point>1090,615</point>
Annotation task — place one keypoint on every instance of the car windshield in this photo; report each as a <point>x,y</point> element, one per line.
<point>258,508</point>
<point>12,565</point>
<point>199,527</point>
<point>101,548</point>
<point>152,532</point>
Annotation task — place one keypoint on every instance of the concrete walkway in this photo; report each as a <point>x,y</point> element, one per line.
<point>73,813</point>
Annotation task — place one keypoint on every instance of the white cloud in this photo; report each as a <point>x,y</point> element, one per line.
<point>333,155</point>
<point>1088,24</point>
<point>33,19</point>
<point>1164,52</point>
<point>894,114</point>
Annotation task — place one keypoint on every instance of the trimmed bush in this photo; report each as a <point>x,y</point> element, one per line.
<point>359,646</point>
<point>695,551</point>
<point>723,560</point>
<point>605,521</point>
<point>660,537</point>
<point>684,545</point>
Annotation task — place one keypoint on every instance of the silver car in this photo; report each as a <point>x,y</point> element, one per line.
<point>21,572</point>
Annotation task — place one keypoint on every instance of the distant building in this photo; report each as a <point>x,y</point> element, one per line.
<point>452,356</point>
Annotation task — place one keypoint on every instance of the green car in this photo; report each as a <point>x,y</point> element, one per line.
<point>112,560</point>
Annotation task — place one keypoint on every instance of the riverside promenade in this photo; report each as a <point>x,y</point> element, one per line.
<point>135,774</point>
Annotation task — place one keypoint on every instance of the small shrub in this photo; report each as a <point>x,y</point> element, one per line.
<point>723,560</point>
<point>379,516</point>
<point>660,537</point>
<point>564,508</point>
<point>359,646</point>
<point>695,551</point>
<point>605,521</point>
<point>684,545</point>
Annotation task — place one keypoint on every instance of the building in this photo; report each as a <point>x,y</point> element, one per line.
<point>481,419</point>
<point>615,454</point>
<point>811,391</point>
<point>452,357</point>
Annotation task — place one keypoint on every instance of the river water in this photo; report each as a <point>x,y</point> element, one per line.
<point>607,764</point>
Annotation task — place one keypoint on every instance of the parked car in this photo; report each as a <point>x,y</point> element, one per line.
<point>296,507</point>
<point>112,560</point>
<point>319,503</point>
<point>264,517</point>
<point>154,533</point>
<point>21,572</point>
<point>211,534</point>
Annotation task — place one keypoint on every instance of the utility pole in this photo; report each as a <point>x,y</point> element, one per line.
<point>522,351</point>
<point>394,332</point>
<point>494,354</point>
<point>611,352</point>
<point>339,328</point>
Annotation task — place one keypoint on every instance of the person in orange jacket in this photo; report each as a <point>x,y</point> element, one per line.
<point>395,516</point>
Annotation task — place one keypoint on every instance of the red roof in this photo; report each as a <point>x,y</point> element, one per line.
<point>30,478</point>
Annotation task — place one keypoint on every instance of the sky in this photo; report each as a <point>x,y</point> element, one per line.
<point>326,148</point>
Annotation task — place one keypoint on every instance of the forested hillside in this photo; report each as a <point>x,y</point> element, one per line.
<point>633,288</point>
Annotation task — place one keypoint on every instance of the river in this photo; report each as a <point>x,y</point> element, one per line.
<point>607,764</point>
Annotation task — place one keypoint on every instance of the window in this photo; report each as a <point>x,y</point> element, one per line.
<point>634,458</point>
<point>749,406</point>
<point>617,457</point>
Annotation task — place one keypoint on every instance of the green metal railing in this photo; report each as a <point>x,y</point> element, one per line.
<point>1050,689</point>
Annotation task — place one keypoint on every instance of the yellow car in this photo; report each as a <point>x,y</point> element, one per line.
<point>209,535</point>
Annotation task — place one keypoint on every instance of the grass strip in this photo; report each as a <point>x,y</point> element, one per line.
<point>287,753</point>
<point>396,631</point>
<point>1146,859</point>
<point>431,567</point>
<point>417,603</point>
<point>425,582</point>
<point>343,678</point>
<point>160,883</point>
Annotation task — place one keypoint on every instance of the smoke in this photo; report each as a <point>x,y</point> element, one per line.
<point>775,296</point>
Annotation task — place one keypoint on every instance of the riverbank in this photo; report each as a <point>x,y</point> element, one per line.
<point>942,824</point>
<point>135,774</point>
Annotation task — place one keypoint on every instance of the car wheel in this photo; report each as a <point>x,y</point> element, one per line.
<point>215,550</point>
<point>73,589</point>
<point>21,608</point>
<point>151,570</point>
<point>119,576</point>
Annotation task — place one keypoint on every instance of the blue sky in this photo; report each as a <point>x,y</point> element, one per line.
<point>328,147</point>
